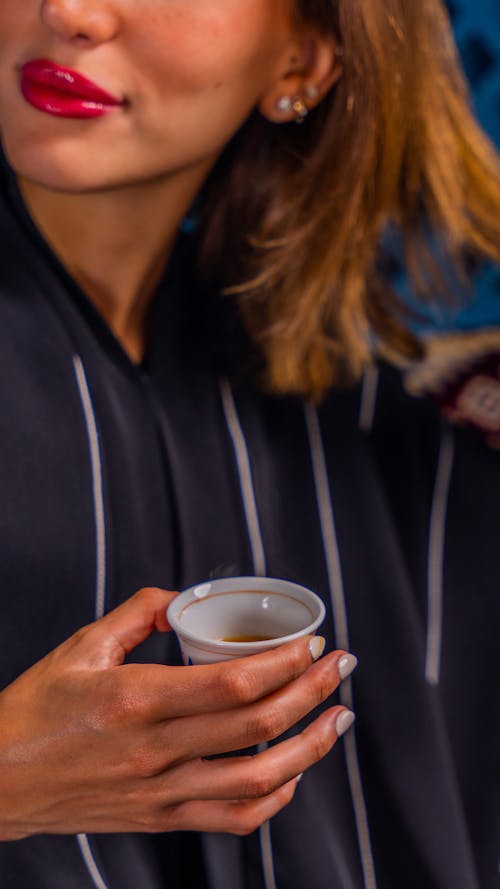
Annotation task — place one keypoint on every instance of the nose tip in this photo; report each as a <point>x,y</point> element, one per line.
<point>82,21</point>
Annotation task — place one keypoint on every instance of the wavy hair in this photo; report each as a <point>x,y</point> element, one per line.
<point>294,218</point>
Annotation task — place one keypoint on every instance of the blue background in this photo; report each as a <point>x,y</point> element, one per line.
<point>477,28</point>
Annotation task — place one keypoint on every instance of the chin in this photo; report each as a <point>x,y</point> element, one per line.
<point>58,165</point>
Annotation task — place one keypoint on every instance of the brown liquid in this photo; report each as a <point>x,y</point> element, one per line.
<point>248,638</point>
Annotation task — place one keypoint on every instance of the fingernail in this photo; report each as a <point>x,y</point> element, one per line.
<point>346,665</point>
<point>344,722</point>
<point>317,647</point>
<point>299,777</point>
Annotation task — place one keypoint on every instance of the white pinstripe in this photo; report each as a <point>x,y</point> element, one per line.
<point>95,460</point>
<point>259,566</point>
<point>435,564</point>
<point>100,585</point>
<point>337,595</point>
<point>90,862</point>
<point>245,476</point>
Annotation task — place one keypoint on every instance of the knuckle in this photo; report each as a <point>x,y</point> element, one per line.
<point>119,710</point>
<point>323,688</point>
<point>81,634</point>
<point>257,783</point>
<point>175,816</point>
<point>319,749</point>
<point>114,705</point>
<point>266,725</point>
<point>297,665</point>
<point>149,821</point>
<point>164,821</point>
<point>136,703</point>
<point>73,643</point>
<point>237,685</point>
<point>150,809</point>
<point>252,815</point>
<point>148,593</point>
<point>127,699</point>
<point>120,704</point>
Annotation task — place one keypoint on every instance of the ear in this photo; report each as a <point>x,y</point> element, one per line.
<point>310,70</point>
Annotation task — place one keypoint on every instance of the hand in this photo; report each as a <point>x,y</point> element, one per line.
<point>90,744</point>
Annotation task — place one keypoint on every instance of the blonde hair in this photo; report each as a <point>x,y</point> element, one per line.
<point>295,216</point>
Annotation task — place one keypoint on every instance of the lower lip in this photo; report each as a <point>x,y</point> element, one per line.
<point>60,104</point>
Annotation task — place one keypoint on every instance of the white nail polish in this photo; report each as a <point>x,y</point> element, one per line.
<point>344,722</point>
<point>317,647</point>
<point>346,665</point>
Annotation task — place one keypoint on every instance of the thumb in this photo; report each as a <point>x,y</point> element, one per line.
<point>106,642</point>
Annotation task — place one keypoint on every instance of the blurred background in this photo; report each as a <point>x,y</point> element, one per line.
<point>477,27</point>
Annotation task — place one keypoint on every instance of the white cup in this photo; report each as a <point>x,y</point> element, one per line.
<point>237,616</point>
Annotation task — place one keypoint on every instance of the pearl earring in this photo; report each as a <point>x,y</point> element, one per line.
<point>285,105</point>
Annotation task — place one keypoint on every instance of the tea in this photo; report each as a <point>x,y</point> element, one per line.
<point>248,638</point>
<point>219,620</point>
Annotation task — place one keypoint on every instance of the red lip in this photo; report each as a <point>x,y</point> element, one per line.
<point>63,92</point>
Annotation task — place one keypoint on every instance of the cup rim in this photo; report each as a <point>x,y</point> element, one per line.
<point>227,585</point>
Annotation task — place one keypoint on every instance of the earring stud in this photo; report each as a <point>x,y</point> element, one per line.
<point>301,110</point>
<point>311,91</point>
<point>284,104</point>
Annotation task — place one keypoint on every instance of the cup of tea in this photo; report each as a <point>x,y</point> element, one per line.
<point>237,616</point>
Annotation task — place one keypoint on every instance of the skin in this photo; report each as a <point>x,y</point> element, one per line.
<point>109,194</point>
<point>88,743</point>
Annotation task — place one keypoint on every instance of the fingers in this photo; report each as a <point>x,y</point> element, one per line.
<point>261,785</point>
<point>264,720</point>
<point>168,692</point>
<point>138,616</point>
<point>238,817</point>
<point>253,776</point>
<point>106,642</point>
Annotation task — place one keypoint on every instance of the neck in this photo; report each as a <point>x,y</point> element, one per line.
<point>116,244</point>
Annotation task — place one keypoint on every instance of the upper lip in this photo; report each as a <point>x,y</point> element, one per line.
<point>64,80</point>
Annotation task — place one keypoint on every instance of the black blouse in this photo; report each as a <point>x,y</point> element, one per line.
<point>115,476</point>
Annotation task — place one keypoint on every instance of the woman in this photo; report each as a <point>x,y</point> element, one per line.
<point>151,438</point>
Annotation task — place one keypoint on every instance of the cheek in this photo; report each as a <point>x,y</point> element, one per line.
<point>14,29</point>
<point>192,53</point>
